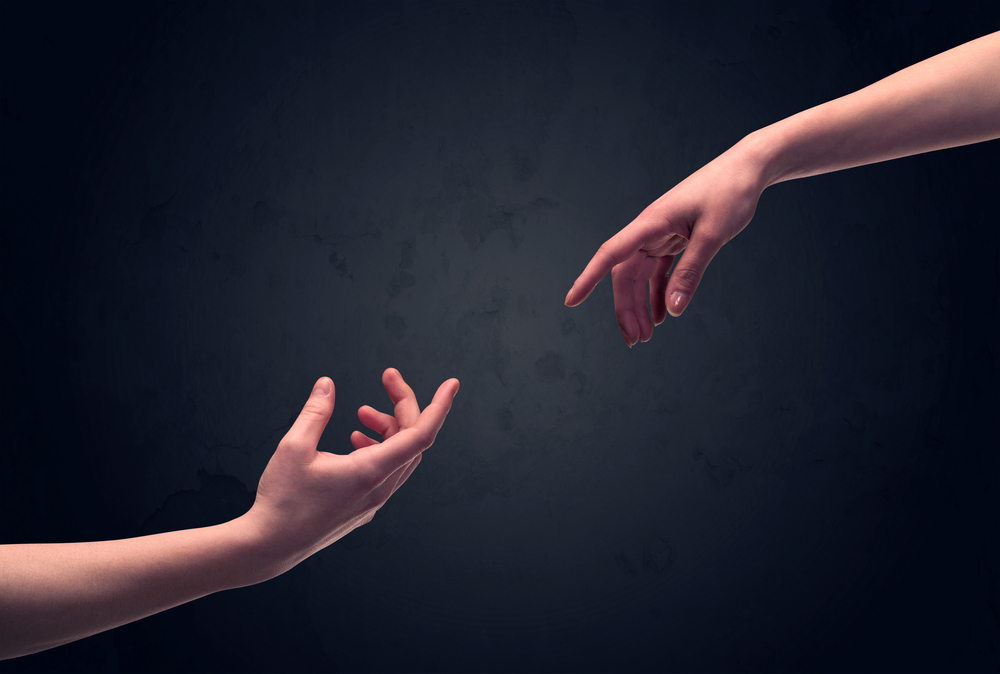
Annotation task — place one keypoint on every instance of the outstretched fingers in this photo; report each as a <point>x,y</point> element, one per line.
<point>408,443</point>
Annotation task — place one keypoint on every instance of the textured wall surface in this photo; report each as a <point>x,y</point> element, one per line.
<point>206,207</point>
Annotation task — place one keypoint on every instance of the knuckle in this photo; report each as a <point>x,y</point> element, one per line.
<point>292,445</point>
<point>313,411</point>
<point>608,250</point>
<point>688,278</point>
<point>712,238</point>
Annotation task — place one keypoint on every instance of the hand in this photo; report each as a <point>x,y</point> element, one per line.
<point>307,499</point>
<point>700,214</point>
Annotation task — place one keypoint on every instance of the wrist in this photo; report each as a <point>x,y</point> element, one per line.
<point>765,150</point>
<point>755,160</point>
<point>255,560</point>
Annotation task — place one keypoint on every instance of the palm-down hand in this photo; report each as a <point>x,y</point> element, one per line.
<point>698,217</point>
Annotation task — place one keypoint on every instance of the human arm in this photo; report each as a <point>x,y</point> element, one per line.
<point>945,101</point>
<point>51,594</point>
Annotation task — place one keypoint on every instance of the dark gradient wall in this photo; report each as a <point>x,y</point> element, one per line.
<point>206,207</point>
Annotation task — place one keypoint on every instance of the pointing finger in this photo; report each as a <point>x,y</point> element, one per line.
<point>614,251</point>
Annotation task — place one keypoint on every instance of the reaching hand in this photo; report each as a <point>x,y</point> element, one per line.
<point>698,216</point>
<point>51,594</point>
<point>307,499</point>
<point>947,100</point>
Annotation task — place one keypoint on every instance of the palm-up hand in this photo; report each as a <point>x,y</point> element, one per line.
<point>307,499</point>
<point>698,216</point>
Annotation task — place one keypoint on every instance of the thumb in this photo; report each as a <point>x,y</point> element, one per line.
<point>690,268</point>
<point>309,426</point>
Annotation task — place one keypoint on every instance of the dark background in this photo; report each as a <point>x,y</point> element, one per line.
<point>205,207</point>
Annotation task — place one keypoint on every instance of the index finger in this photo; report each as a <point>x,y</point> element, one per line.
<point>408,443</point>
<point>615,250</point>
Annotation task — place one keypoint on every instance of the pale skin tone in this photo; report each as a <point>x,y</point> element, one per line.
<point>56,593</point>
<point>306,500</point>
<point>948,100</point>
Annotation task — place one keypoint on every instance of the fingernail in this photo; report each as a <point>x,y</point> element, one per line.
<point>627,340</point>
<point>566,301</point>
<point>678,301</point>
<point>458,385</point>
<point>322,387</point>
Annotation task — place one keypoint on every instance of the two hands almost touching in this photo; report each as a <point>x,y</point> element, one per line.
<point>945,101</point>
<point>51,594</point>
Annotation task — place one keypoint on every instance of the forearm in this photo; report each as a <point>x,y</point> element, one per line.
<point>948,100</point>
<point>54,594</point>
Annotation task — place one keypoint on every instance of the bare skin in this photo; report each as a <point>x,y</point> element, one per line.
<point>56,593</point>
<point>945,101</point>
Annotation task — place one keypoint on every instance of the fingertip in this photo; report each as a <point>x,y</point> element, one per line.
<point>628,342</point>
<point>630,330</point>
<point>678,303</point>
<point>323,387</point>
<point>659,313</point>
<point>577,294</point>
<point>450,386</point>
<point>645,326</point>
